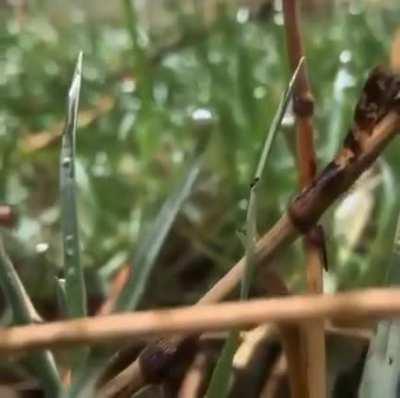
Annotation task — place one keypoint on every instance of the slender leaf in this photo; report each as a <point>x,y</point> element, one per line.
<point>74,283</point>
<point>251,216</point>
<point>149,249</point>
<point>144,261</point>
<point>75,289</point>
<point>42,364</point>
<point>220,380</point>
<point>131,23</point>
<point>141,67</point>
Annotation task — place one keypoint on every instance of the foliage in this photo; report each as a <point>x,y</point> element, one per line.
<point>145,94</point>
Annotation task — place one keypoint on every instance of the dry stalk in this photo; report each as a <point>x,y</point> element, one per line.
<point>313,355</point>
<point>273,386</point>
<point>291,341</point>
<point>117,285</point>
<point>370,303</point>
<point>194,377</point>
<point>130,378</point>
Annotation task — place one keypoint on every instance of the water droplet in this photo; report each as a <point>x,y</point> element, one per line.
<point>128,85</point>
<point>68,245</point>
<point>202,118</point>
<point>345,56</point>
<point>202,114</point>
<point>243,15</point>
<point>69,238</point>
<point>42,247</point>
<point>66,162</point>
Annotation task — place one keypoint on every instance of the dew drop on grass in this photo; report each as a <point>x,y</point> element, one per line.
<point>69,241</point>
<point>243,15</point>
<point>66,162</point>
<point>42,247</point>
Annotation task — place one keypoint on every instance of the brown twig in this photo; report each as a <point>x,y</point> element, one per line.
<point>194,377</point>
<point>395,52</point>
<point>290,337</point>
<point>40,140</point>
<point>130,378</point>
<point>273,386</point>
<point>371,303</point>
<point>253,361</point>
<point>117,285</point>
<point>291,341</point>
<point>303,107</point>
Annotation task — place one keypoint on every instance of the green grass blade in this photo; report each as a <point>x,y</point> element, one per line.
<point>74,283</point>
<point>251,216</point>
<point>276,122</point>
<point>220,380</point>
<point>381,376</point>
<point>22,308</point>
<point>144,261</point>
<point>42,364</point>
<point>75,289</point>
<point>131,24</point>
<point>141,67</point>
<point>221,377</point>
<point>149,249</point>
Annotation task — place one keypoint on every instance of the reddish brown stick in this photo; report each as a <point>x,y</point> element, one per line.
<point>303,106</point>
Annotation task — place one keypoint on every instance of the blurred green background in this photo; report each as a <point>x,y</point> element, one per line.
<point>156,83</point>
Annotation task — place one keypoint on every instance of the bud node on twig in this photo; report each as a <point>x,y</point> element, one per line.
<point>303,105</point>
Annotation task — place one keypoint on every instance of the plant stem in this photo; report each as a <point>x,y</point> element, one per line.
<point>303,106</point>
<point>370,303</point>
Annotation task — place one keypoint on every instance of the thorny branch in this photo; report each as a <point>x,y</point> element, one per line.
<point>377,121</point>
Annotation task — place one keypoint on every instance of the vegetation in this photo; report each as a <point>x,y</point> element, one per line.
<point>171,122</point>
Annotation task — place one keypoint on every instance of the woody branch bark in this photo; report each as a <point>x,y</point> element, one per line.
<point>377,121</point>
<point>314,354</point>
